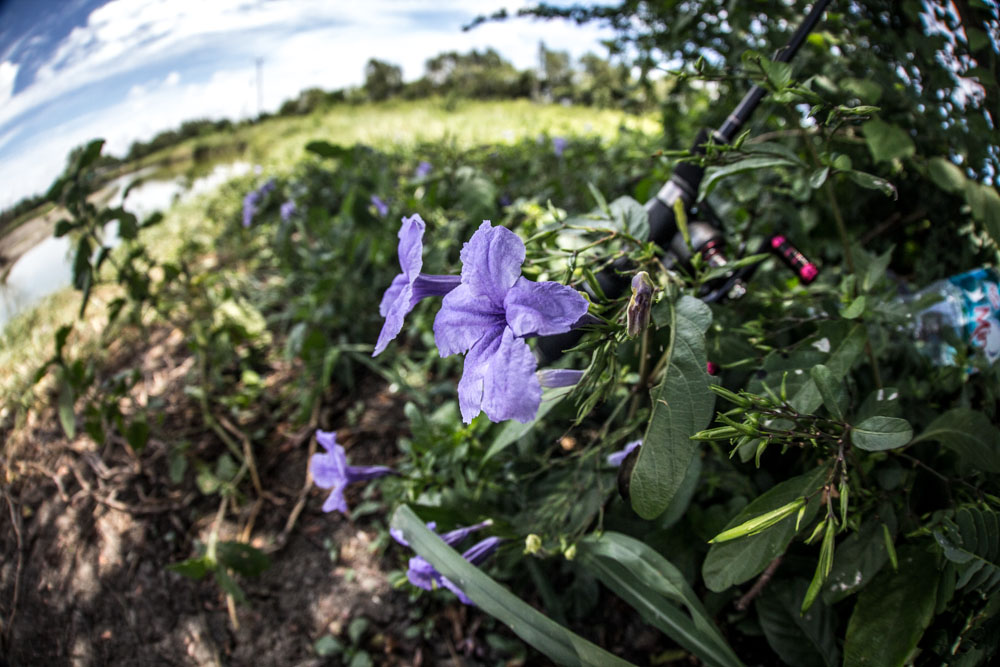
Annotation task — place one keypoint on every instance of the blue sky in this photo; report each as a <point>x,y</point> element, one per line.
<point>71,70</point>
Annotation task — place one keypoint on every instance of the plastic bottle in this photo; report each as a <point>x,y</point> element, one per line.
<point>969,307</point>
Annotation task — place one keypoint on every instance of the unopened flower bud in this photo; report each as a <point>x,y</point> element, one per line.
<point>640,305</point>
<point>570,553</point>
<point>532,544</point>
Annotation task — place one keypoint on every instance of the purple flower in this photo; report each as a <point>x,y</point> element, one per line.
<point>330,471</point>
<point>288,210</point>
<point>559,145</point>
<point>252,201</point>
<point>490,314</point>
<point>380,206</point>
<point>410,286</point>
<point>423,169</point>
<point>423,575</point>
<point>616,458</point>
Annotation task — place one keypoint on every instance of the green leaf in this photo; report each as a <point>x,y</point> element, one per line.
<point>561,645</point>
<point>90,153</point>
<point>632,216</point>
<point>807,398</point>
<point>756,162</point>
<point>63,227</point>
<point>229,585</point>
<point>66,415</point>
<point>326,149</point>
<point>855,309</point>
<point>829,388</point>
<point>137,434</point>
<point>655,588</point>
<point>242,558</point>
<point>682,406</point>
<point>818,178</point>
<point>946,175</point>
<point>892,612</point>
<point>972,542</point>
<point>804,640</point>
<point>969,434</point>
<point>887,142</point>
<point>859,559</point>
<point>877,434</point>
<point>985,204</point>
<point>192,568</point>
<point>872,182</point>
<point>328,645</point>
<point>731,563</point>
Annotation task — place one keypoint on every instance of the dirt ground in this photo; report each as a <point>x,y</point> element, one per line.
<point>87,532</point>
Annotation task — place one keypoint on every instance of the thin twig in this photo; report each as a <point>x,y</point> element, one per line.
<point>759,585</point>
<point>15,522</point>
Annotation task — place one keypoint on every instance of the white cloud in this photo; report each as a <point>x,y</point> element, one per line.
<point>8,72</point>
<point>303,44</point>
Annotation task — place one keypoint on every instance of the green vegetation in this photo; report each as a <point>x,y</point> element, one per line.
<point>829,495</point>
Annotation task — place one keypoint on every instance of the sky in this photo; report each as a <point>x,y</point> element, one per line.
<point>73,70</point>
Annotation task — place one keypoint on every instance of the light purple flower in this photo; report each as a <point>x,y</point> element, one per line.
<point>423,169</point>
<point>380,206</point>
<point>330,471</point>
<point>423,575</point>
<point>253,199</point>
<point>559,145</point>
<point>616,458</point>
<point>288,210</point>
<point>490,314</point>
<point>410,286</point>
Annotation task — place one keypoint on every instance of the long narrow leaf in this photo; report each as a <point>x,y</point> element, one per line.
<point>654,587</point>
<point>561,645</point>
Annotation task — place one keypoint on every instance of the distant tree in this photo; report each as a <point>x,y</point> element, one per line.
<point>382,80</point>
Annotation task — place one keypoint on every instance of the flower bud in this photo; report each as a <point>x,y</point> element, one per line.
<point>640,305</point>
<point>532,544</point>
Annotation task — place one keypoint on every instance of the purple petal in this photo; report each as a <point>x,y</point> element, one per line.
<point>616,458</point>
<point>422,574</point>
<point>491,262</point>
<point>475,554</point>
<point>453,537</point>
<point>543,309</point>
<point>329,468</point>
<point>551,378</point>
<point>396,303</point>
<point>411,246</point>
<point>464,319</point>
<point>335,501</point>
<point>477,364</point>
<point>499,379</point>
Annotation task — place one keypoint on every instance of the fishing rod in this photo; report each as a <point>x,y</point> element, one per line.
<point>706,238</point>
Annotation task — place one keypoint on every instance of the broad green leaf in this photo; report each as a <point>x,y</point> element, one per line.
<point>865,90</point>
<point>555,641</point>
<point>682,406</point>
<point>753,163</point>
<point>829,389</point>
<point>859,558</point>
<point>137,434</point>
<point>892,612</point>
<point>242,558</point>
<point>887,142</point>
<point>840,361</point>
<point>513,430</point>
<point>877,434</point>
<point>63,227</point>
<point>946,175</point>
<point>985,205</point>
<point>731,563</point>
<point>818,178</point>
<point>883,401</point>
<point>632,216</point>
<point>855,309</point>
<point>229,585</point>
<point>972,542</point>
<point>804,640</point>
<point>970,434</point>
<point>655,588</point>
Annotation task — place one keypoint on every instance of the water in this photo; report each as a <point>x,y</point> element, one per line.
<point>46,268</point>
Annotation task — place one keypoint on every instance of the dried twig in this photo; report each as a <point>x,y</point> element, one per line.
<point>759,585</point>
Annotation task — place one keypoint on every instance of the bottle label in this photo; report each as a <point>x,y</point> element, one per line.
<point>981,309</point>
